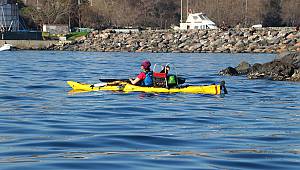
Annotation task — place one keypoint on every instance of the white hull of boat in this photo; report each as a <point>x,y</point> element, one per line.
<point>6,47</point>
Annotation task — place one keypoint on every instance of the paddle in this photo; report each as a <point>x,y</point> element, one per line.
<point>99,85</point>
<point>102,84</point>
<point>112,80</point>
<point>223,87</point>
<point>180,80</point>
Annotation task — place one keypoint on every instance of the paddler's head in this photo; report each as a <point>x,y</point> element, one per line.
<point>166,69</point>
<point>146,65</point>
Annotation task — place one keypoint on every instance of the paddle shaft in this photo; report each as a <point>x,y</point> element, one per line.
<point>179,79</point>
<point>112,80</point>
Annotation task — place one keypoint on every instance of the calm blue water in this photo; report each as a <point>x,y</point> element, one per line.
<point>42,126</point>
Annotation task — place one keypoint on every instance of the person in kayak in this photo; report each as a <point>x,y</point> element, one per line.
<point>170,79</point>
<point>165,69</point>
<point>145,77</point>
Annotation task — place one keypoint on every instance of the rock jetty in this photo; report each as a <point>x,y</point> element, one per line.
<point>235,40</point>
<point>286,67</point>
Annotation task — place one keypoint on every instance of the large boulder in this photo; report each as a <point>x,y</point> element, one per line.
<point>275,70</point>
<point>229,71</point>
<point>243,68</point>
<point>290,58</point>
<point>296,75</point>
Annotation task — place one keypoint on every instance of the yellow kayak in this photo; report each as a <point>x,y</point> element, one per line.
<point>127,87</point>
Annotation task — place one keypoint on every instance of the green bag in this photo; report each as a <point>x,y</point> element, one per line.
<point>172,80</point>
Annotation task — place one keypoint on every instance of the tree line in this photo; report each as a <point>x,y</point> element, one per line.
<point>159,14</point>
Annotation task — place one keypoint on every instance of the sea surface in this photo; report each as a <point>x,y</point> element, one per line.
<point>43,126</point>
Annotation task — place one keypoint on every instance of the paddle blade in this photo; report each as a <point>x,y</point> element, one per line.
<point>99,84</point>
<point>223,87</point>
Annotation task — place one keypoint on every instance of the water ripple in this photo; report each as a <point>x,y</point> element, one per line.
<point>42,126</point>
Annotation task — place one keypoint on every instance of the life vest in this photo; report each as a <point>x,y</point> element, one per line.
<point>148,81</point>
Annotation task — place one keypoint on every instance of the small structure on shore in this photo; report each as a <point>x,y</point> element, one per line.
<point>56,28</point>
<point>198,21</point>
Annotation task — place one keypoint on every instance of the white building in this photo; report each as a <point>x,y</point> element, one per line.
<point>197,21</point>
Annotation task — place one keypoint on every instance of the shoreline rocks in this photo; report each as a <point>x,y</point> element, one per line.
<point>247,40</point>
<point>286,67</point>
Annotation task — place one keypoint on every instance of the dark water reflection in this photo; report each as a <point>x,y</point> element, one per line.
<point>42,126</point>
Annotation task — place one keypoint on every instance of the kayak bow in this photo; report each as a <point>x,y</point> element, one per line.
<point>127,87</point>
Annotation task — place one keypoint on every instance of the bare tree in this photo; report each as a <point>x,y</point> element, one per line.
<point>160,13</point>
<point>291,12</point>
<point>47,11</point>
<point>272,16</point>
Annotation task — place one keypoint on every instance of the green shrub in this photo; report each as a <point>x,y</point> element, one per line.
<point>74,35</point>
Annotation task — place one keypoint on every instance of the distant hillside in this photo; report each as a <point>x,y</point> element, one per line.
<point>158,13</point>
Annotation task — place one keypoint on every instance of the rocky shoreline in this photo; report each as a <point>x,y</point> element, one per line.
<point>286,67</point>
<point>235,40</point>
<point>286,41</point>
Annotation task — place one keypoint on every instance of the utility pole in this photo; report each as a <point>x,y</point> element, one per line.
<point>187,8</point>
<point>246,12</point>
<point>70,3</point>
<point>181,11</point>
<point>218,11</point>
<point>18,18</point>
<point>79,15</point>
